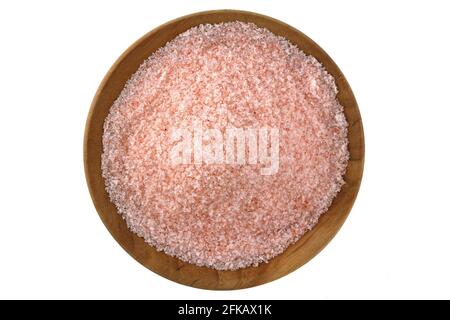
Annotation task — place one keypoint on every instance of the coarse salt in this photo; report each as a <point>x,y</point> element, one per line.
<point>220,215</point>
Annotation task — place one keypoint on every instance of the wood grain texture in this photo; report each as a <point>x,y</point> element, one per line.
<point>172,268</point>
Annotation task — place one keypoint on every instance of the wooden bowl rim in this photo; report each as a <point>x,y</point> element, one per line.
<point>224,280</point>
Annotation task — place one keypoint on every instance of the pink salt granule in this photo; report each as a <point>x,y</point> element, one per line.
<point>219,215</point>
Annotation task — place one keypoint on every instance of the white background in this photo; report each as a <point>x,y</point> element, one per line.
<point>396,56</point>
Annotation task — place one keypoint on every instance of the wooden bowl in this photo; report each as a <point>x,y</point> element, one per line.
<point>172,268</point>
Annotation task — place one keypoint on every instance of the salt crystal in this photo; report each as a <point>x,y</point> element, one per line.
<point>219,215</point>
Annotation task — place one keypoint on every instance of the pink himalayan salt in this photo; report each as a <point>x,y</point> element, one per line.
<point>225,216</point>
